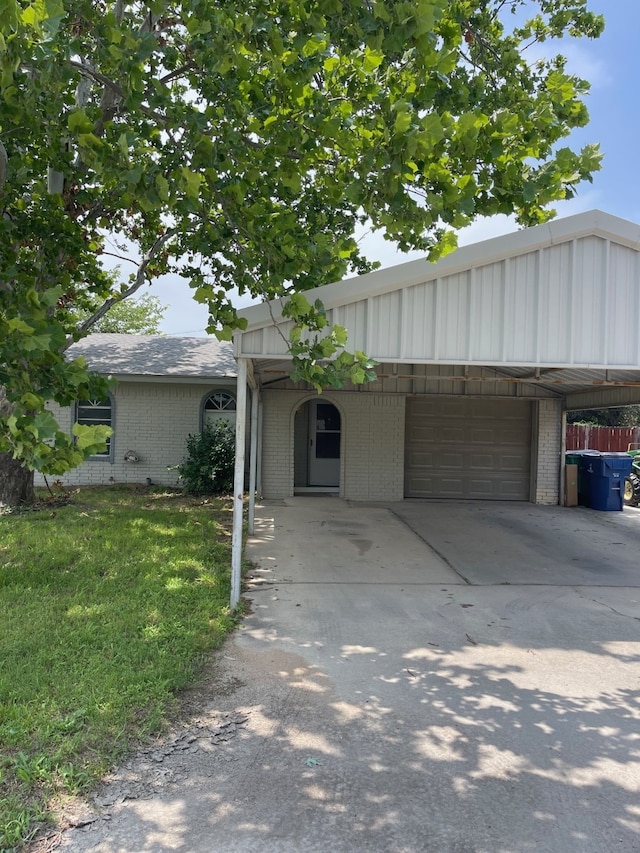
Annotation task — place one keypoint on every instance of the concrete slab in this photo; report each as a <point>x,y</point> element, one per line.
<point>506,542</point>
<point>327,540</point>
<point>374,701</point>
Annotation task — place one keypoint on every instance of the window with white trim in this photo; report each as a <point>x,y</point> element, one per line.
<point>219,405</point>
<point>96,413</point>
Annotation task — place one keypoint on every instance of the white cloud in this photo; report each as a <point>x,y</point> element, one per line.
<point>583,61</point>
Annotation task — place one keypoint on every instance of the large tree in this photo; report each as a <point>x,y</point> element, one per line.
<point>239,144</point>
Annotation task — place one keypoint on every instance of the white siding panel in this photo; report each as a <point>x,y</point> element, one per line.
<point>590,304</point>
<point>520,314</point>
<point>266,341</point>
<point>385,325</point>
<point>554,304</point>
<point>623,304</point>
<point>420,321</point>
<point>252,341</point>
<point>453,321</point>
<point>354,318</point>
<point>487,313</point>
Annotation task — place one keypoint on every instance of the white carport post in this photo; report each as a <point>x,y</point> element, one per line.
<point>253,457</point>
<point>238,483</point>
<point>563,458</point>
<point>259,450</point>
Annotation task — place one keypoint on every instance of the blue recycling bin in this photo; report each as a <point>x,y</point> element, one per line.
<point>606,482</point>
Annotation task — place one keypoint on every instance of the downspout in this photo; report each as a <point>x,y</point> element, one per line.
<point>238,482</point>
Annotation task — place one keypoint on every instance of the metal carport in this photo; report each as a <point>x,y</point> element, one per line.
<point>547,317</point>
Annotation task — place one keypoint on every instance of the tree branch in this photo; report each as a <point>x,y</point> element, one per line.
<point>148,24</point>
<point>97,77</point>
<point>119,257</point>
<point>190,66</point>
<point>139,280</point>
<point>113,87</point>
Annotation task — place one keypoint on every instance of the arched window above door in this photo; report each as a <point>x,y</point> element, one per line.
<point>219,405</point>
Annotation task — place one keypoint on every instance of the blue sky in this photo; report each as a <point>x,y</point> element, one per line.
<point>612,65</point>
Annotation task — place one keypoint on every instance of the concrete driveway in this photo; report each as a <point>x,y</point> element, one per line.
<point>446,677</point>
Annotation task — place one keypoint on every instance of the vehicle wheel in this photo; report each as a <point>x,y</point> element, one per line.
<point>632,490</point>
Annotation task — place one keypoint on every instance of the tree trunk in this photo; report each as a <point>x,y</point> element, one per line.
<point>16,482</point>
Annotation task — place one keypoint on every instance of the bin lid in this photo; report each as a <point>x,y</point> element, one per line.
<point>586,453</point>
<point>609,463</point>
<point>617,462</point>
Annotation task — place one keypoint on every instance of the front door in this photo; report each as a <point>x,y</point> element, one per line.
<point>324,444</point>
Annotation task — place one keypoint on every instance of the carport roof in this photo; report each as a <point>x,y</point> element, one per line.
<point>556,306</point>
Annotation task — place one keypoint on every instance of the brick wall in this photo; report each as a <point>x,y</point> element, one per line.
<point>372,446</point>
<point>154,420</point>
<point>548,461</point>
<point>372,450</point>
<point>151,419</point>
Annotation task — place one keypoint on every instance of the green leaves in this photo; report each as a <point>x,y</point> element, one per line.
<point>239,145</point>
<point>191,182</point>
<point>403,117</point>
<point>321,359</point>
<point>316,44</point>
<point>373,59</point>
<point>10,13</point>
<point>15,324</point>
<point>91,439</point>
<point>44,15</point>
<point>79,122</point>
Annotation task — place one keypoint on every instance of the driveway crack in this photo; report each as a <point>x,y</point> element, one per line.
<point>440,555</point>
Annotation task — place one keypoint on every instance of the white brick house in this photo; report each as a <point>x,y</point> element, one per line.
<point>166,387</point>
<point>480,356</point>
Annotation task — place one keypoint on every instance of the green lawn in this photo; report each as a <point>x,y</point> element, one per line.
<point>108,606</point>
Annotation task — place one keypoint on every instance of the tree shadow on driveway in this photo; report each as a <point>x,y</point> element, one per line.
<point>393,712</point>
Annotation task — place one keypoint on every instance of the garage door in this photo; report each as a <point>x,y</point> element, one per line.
<point>461,448</point>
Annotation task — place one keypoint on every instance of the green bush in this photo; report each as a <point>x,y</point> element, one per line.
<point>209,466</point>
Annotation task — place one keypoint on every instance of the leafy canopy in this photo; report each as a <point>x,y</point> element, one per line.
<point>240,143</point>
<point>135,316</point>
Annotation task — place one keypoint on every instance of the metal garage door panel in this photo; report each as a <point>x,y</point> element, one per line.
<point>458,448</point>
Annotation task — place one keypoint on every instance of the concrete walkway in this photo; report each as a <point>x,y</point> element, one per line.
<point>374,700</point>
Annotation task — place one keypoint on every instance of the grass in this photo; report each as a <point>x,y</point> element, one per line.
<point>108,606</point>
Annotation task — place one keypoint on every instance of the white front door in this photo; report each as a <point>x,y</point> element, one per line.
<point>324,444</point>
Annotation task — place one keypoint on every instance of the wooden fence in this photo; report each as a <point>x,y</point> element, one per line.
<point>605,439</point>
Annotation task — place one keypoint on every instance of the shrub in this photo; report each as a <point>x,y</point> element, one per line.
<point>209,466</point>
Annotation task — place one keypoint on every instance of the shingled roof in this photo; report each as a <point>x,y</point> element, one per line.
<point>129,356</point>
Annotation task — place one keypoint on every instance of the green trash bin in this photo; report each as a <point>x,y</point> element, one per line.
<point>584,459</point>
